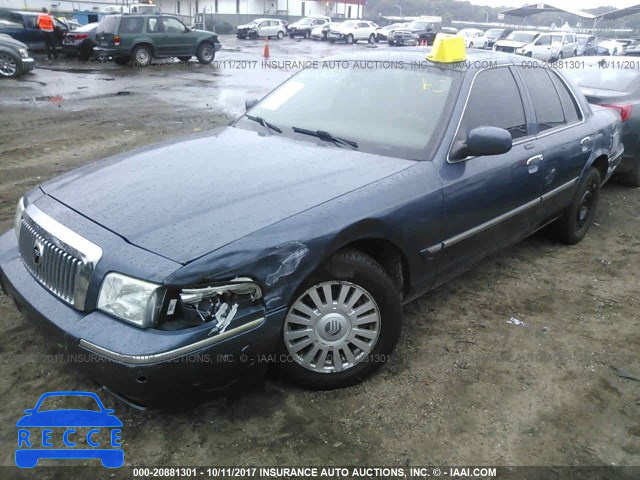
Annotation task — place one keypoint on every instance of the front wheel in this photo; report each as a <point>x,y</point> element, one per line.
<point>372,39</point>
<point>572,227</point>
<point>470,44</point>
<point>390,42</point>
<point>342,324</point>
<point>349,39</point>
<point>9,65</point>
<point>280,35</point>
<point>206,53</point>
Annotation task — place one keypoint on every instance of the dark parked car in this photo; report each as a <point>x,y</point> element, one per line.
<point>416,32</point>
<point>23,26</point>
<point>217,263</point>
<point>14,57</point>
<point>632,52</point>
<point>494,34</point>
<point>605,81</point>
<point>303,27</point>
<point>587,45</point>
<point>80,42</point>
<point>141,38</point>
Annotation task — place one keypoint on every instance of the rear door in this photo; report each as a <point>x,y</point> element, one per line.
<point>565,139</point>
<point>156,34</point>
<point>489,201</point>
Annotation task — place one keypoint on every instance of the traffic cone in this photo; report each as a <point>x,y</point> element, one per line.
<point>266,48</point>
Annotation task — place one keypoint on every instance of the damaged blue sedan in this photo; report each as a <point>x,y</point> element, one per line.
<point>297,233</point>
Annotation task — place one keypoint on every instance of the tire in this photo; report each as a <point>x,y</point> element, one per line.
<point>185,58</point>
<point>572,227</point>
<point>121,60</point>
<point>206,53</point>
<point>291,35</point>
<point>85,51</point>
<point>10,65</point>
<point>372,39</point>
<point>470,44</point>
<point>331,40</point>
<point>630,179</point>
<point>348,272</point>
<point>349,39</point>
<point>280,35</point>
<point>142,55</point>
<point>390,42</point>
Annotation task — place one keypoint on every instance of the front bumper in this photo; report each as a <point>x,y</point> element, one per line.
<point>145,367</point>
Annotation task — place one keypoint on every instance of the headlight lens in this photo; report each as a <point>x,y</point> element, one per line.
<point>130,299</point>
<point>17,222</point>
<point>23,52</point>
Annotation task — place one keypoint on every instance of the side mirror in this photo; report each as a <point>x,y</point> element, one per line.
<point>483,141</point>
<point>187,29</point>
<point>249,103</point>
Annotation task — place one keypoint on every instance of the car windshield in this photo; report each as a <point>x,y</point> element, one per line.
<point>493,32</point>
<point>391,111</point>
<point>593,76</point>
<point>467,33</point>
<point>69,402</point>
<point>521,37</point>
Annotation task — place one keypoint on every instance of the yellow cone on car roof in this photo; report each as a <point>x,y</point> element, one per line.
<point>448,49</point>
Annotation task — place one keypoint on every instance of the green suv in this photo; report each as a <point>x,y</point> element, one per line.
<point>141,38</point>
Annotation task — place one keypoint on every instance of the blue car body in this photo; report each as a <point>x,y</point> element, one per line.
<point>69,418</point>
<point>276,216</point>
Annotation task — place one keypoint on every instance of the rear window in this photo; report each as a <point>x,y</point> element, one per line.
<point>131,24</point>
<point>107,25</point>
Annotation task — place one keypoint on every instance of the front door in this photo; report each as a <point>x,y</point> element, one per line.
<point>178,40</point>
<point>489,201</point>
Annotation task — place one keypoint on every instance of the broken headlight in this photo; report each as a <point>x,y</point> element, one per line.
<point>218,304</point>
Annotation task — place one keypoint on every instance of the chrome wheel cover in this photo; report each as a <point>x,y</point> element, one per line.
<point>142,57</point>
<point>332,326</point>
<point>8,65</point>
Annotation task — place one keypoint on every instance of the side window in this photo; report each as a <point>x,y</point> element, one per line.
<point>494,102</point>
<point>153,26</point>
<point>131,24</point>
<point>544,40</point>
<point>363,25</point>
<point>546,102</point>
<point>569,105</point>
<point>172,25</point>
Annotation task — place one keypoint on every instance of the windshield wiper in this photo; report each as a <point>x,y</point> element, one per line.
<point>326,136</point>
<point>264,123</point>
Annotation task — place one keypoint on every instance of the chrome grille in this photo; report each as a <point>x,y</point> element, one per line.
<point>55,269</point>
<point>61,260</point>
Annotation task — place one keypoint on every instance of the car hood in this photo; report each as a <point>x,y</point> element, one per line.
<point>511,43</point>
<point>10,41</point>
<point>247,25</point>
<point>187,198</point>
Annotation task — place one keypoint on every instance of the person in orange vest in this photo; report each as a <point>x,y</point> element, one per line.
<point>45,23</point>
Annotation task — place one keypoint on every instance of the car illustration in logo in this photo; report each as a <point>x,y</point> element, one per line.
<point>67,426</point>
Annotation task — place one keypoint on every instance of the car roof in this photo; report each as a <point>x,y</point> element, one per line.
<point>527,31</point>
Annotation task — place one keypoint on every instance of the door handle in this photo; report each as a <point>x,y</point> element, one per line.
<point>532,163</point>
<point>585,140</point>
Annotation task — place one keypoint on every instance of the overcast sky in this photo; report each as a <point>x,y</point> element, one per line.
<point>582,4</point>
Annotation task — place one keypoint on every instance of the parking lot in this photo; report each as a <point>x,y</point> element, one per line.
<point>467,383</point>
